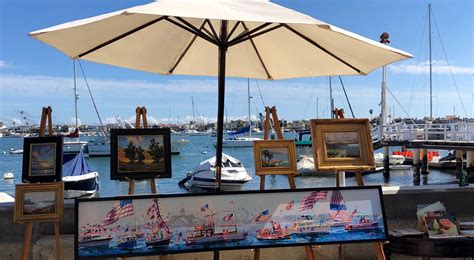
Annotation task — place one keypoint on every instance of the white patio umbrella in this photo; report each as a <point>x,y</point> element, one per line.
<point>237,38</point>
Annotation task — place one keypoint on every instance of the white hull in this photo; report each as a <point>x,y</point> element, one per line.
<point>73,147</point>
<point>392,159</point>
<point>81,185</point>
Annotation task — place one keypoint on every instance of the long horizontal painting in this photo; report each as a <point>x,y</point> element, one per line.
<point>163,224</point>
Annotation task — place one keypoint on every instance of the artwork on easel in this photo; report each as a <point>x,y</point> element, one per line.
<point>42,159</point>
<point>342,144</point>
<point>274,157</point>
<point>163,224</point>
<point>35,202</point>
<point>140,153</point>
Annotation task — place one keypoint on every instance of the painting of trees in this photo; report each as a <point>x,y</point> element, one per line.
<point>131,152</point>
<point>156,151</point>
<point>268,155</point>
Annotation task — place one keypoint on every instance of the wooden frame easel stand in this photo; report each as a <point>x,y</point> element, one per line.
<point>45,117</point>
<point>339,113</point>
<point>276,126</point>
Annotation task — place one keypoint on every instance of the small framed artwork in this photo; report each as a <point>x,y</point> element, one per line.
<point>274,157</point>
<point>140,153</point>
<point>342,144</point>
<point>37,202</point>
<point>42,159</point>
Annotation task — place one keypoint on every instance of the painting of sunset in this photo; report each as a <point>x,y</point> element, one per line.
<point>42,159</point>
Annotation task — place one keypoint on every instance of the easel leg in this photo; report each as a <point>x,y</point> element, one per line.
<point>27,241</point>
<point>131,187</point>
<point>379,251</point>
<point>58,239</point>
<point>262,182</point>
<point>291,180</point>
<point>359,180</point>
<point>340,252</point>
<point>309,252</point>
<point>256,254</point>
<point>153,186</point>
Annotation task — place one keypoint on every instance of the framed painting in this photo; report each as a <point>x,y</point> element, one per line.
<point>342,144</point>
<point>178,223</point>
<point>140,153</point>
<point>274,157</point>
<point>37,202</point>
<point>42,159</point>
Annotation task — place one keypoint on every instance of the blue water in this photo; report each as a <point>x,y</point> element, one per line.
<point>198,149</point>
<point>336,234</point>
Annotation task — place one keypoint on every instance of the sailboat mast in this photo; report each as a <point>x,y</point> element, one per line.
<point>75,90</point>
<point>431,69</point>
<point>331,100</point>
<point>249,97</point>
<point>192,105</point>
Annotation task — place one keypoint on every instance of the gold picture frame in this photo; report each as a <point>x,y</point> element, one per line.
<point>38,202</point>
<point>274,157</point>
<point>342,145</point>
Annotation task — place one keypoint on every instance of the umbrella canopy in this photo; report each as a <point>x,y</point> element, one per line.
<point>237,38</point>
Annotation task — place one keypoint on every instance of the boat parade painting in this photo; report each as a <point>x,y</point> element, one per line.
<point>163,224</point>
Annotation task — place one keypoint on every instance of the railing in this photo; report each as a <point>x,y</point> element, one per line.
<point>455,132</point>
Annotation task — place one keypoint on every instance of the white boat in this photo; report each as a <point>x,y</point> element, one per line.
<point>305,165</point>
<point>392,159</point>
<point>79,180</point>
<point>16,151</point>
<point>73,146</point>
<point>233,174</point>
<point>8,175</point>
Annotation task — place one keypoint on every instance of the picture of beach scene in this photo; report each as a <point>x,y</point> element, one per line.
<point>42,159</point>
<point>130,226</point>
<point>39,202</point>
<point>274,157</point>
<point>342,144</point>
<point>140,153</point>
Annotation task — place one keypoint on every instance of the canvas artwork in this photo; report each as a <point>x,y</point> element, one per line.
<point>141,153</point>
<point>342,144</point>
<point>163,224</point>
<point>42,159</point>
<point>38,202</point>
<point>275,157</point>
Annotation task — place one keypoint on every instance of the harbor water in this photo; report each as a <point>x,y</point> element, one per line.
<point>198,149</point>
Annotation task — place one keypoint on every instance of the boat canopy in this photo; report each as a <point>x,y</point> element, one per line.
<point>241,131</point>
<point>76,166</point>
<point>227,160</point>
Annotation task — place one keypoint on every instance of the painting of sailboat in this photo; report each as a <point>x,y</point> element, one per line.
<point>164,224</point>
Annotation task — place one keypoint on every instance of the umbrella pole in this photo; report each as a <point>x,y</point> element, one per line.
<point>220,104</point>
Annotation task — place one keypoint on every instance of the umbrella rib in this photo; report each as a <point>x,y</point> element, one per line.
<point>320,47</point>
<point>212,28</point>
<point>258,53</point>
<point>183,53</point>
<point>233,29</point>
<point>121,36</point>
<point>192,29</point>
<point>249,33</point>
<point>249,36</point>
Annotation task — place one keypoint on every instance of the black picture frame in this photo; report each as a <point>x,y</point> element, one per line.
<point>84,211</point>
<point>47,168</point>
<point>143,165</point>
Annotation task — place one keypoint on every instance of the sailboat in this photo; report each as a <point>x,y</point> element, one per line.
<point>160,233</point>
<point>236,139</point>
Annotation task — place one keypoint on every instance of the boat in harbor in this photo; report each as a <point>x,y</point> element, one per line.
<point>128,240</point>
<point>306,224</point>
<point>93,236</point>
<point>233,174</point>
<point>276,232</point>
<point>365,224</point>
<point>160,234</point>
<point>79,179</point>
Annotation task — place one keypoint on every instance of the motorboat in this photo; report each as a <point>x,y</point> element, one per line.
<point>8,176</point>
<point>305,165</point>
<point>233,174</point>
<point>393,159</point>
<point>16,151</point>
<point>79,180</point>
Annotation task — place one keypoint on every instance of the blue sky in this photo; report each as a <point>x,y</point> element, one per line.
<point>33,74</point>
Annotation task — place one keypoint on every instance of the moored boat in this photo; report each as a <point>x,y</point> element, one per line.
<point>79,179</point>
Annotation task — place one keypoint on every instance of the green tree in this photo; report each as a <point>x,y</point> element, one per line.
<point>131,152</point>
<point>156,151</point>
<point>268,155</point>
<point>140,154</point>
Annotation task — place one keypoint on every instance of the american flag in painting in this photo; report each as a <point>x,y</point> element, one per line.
<point>308,201</point>
<point>121,209</point>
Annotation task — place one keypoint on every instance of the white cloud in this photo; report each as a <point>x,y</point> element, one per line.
<point>438,67</point>
<point>3,64</point>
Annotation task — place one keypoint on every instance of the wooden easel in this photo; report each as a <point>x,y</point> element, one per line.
<point>276,126</point>
<point>45,115</point>
<point>141,116</point>
<point>339,114</point>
